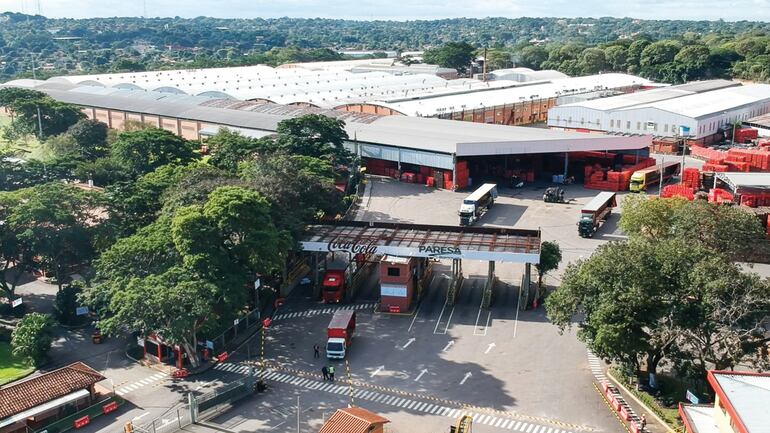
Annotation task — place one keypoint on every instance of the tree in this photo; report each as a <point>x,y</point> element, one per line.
<point>59,223</point>
<point>90,137</point>
<point>314,135</point>
<point>733,232</point>
<point>145,150</point>
<point>659,53</point>
<point>550,257</point>
<point>229,148</point>
<point>17,255</point>
<point>630,294</point>
<point>617,58</point>
<point>457,55</point>
<point>592,61</point>
<point>33,336</point>
<point>300,189</point>
<point>25,105</point>
<point>692,60</point>
<point>533,56</point>
<point>65,304</point>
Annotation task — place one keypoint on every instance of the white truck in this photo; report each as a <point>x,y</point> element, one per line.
<point>477,204</point>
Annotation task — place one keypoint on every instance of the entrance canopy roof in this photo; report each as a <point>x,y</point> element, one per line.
<point>419,240</point>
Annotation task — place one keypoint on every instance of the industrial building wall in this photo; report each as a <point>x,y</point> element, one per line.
<point>404,156</point>
<point>369,109</point>
<point>523,113</point>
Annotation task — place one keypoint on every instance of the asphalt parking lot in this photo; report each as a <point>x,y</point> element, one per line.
<point>511,369</point>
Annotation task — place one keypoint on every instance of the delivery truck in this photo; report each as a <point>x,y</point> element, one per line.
<point>595,212</point>
<point>650,176</point>
<point>477,204</point>
<point>340,276</point>
<point>340,333</point>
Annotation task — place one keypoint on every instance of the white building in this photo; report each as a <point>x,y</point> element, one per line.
<point>698,110</point>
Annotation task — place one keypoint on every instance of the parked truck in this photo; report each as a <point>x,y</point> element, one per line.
<point>477,204</point>
<point>595,212</point>
<point>642,179</point>
<point>340,333</point>
<point>339,276</point>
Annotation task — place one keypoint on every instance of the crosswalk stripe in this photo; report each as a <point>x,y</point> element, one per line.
<point>119,392</point>
<point>529,428</point>
<point>421,406</point>
<point>507,423</point>
<point>483,419</point>
<point>499,421</point>
<point>430,408</point>
<point>401,402</point>
<point>453,413</point>
<point>145,381</point>
<point>550,430</point>
<point>412,405</point>
<point>516,427</point>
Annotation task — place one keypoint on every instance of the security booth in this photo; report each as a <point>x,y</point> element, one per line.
<point>158,351</point>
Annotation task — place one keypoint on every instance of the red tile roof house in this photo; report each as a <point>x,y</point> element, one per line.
<point>39,400</point>
<point>354,420</point>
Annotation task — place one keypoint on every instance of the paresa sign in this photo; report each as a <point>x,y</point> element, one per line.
<point>353,248</point>
<point>433,250</point>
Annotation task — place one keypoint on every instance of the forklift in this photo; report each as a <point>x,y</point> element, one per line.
<point>554,194</point>
<point>464,425</point>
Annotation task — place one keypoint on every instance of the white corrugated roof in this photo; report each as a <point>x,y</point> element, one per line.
<point>713,102</point>
<point>630,99</point>
<point>431,105</point>
<point>701,418</point>
<point>749,395</point>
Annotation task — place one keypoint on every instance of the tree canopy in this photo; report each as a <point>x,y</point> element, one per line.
<point>670,293</point>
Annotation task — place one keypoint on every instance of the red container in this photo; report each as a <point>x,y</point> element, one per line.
<point>429,181</point>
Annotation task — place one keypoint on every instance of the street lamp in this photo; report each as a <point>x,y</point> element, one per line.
<point>39,117</point>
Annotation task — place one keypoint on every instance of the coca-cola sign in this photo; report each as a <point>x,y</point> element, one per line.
<point>352,247</point>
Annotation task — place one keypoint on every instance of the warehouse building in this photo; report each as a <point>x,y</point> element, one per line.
<point>380,87</point>
<point>405,144</point>
<point>518,103</point>
<point>697,111</point>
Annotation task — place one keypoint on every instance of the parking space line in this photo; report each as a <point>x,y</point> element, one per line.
<point>416,313</point>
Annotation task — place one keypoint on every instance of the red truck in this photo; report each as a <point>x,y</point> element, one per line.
<point>333,286</point>
<point>340,333</point>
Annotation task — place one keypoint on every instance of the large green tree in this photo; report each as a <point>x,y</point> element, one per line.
<point>33,336</point>
<point>59,224</point>
<point>229,148</point>
<point>143,151</point>
<point>314,135</point>
<point>457,55</point>
<point>56,117</point>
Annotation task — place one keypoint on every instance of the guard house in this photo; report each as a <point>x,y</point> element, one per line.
<point>397,281</point>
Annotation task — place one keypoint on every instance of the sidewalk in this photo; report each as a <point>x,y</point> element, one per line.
<point>632,408</point>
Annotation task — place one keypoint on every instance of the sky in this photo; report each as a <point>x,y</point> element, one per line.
<point>755,10</point>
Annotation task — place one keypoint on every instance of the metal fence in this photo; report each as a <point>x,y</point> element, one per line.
<point>173,420</point>
<point>240,326</point>
<point>215,402</point>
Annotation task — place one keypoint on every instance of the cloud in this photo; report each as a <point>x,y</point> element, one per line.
<point>402,9</point>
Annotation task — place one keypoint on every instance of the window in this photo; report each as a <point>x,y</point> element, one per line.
<point>638,126</point>
<point>612,123</point>
<point>598,122</point>
<point>582,120</point>
<point>617,122</point>
<point>665,127</point>
<point>628,124</point>
<point>394,272</point>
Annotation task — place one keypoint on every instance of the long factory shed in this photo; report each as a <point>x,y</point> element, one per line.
<point>401,140</point>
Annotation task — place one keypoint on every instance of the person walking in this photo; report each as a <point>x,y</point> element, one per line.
<point>325,372</point>
<point>331,373</point>
<point>643,422</point>
<point>316,351</point>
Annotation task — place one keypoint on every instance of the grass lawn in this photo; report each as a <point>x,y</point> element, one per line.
<point>29,147</point>
<point>11,367</point>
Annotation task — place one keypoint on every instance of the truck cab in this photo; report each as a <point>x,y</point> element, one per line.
<point>467,212</point>
<point>586,225</point>
<point>333,286</point>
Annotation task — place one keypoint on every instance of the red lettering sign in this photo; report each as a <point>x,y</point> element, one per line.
<point>109,407</point>
<point>266,322</point>
<point>222,356</point>
<point>394,309</point>
<point>82,421</point>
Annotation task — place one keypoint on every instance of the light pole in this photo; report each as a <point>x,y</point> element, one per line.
<point>39,117</point>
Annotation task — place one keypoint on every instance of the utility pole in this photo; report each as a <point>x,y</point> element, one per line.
<point>297,413</point>
<point>484,73</point>
<point>660,175</point>
<point>39,117</point>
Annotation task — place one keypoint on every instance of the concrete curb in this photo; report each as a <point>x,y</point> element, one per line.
<point>640,403</point>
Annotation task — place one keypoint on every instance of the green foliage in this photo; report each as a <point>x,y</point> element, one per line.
<point>33,336</point>
<point>229,148</point>
<point>90,136</point>
<point>314,135</point>
<point>57,223</point>
<point>143,151</point>
<point>66,303</point>
<point>457,55</point>
<point>12,367</point>
<point>672,292</point>
<point>550,257</point>
<point>299,188</point>
<point>25,104</point>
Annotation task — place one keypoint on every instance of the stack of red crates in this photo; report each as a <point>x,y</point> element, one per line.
<point>755,199</point>
<point>379,167</point>
<point>691,178</point>
<point>462,175</point>
<point>744,135</point>
<point>708,154</point>
<point>719,195</point>
<point>758,159</point>
<point>596,177</point>
<point>447,179</point>
<point>678,190</point>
